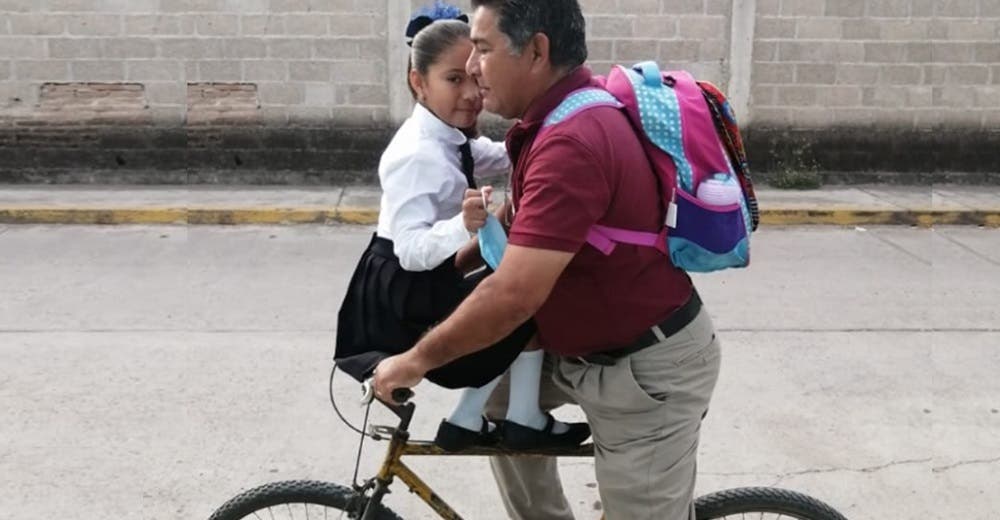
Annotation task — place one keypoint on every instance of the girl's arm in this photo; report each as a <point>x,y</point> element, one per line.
<point>490,156</point>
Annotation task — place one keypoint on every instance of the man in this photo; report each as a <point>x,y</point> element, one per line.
<point>630,342</point>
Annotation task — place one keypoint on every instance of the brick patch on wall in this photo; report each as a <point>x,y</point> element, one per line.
<point>91,103</point>
<point>222,104</point>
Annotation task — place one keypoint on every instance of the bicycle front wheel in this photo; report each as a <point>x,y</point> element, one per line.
<point>763,504</point>
<point>298,500</point>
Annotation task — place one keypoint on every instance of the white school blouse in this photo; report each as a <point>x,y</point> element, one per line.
<point>423,187</point>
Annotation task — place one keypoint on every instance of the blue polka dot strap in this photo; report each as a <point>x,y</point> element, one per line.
<point>579,101</point>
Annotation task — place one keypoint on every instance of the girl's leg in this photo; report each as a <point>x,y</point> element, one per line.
<point>469,412</point>
<point>525,378</point>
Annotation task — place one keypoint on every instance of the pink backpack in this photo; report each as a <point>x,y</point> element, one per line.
<point>687,132</point>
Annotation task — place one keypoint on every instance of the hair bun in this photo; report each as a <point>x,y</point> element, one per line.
<point>430,14</point>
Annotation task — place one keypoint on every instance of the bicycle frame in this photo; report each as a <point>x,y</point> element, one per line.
<point>401,446</point>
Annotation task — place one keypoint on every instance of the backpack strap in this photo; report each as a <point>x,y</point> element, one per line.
<point>605,238</point>
<point>578,101</point>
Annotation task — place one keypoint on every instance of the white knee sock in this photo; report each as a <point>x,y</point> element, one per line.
<point>525,378</point>
<point>468,413</point>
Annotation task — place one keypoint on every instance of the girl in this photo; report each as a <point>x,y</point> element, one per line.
<point>411,275</point>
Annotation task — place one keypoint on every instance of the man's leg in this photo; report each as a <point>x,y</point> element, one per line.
<point>645,412</point>
<point>530,486</point>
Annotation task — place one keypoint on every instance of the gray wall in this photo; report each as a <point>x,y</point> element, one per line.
<point>867,74</point>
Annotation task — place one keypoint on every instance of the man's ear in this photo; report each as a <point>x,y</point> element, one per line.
<point>539,48</point>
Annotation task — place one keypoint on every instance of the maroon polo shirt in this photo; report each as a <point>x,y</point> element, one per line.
<point>591,169</point>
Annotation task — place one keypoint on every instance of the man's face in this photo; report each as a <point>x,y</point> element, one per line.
<point>504,79</point>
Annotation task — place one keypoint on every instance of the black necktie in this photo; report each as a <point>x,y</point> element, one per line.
<point>468,165</point>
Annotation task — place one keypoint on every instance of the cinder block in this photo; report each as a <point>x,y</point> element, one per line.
<point>885,96</point>
<point>955,96</point>
<point>281,93</point>
<point>614,26</point>
<point>22,48</point>
<point>220,71</point>
<point>819,29</point>
<point>712,27</point>
<point>635,50</point>
<point>36,24</point>
<point>796,95</point>
<point>289,48</point>
<point>128,48</point>
<point>259,24</point>
<point>919,52</point>
<point>888,8</point>
<point>184,6</point>
<point>19,6</point>
<point>309,70</point>
<point>675,7</point>
<point>362,116</point>
<point>191,48</point>
<point>773,74</point>
<point>265,70</point>
<point>919,96</point>
<point>639,6</point>
<point>764,51</point>
<point>949,52</point>
<point>762,96</point>
<point>987,52</point>
<point>901,75</point>
<point>772,27</point>
<point>590,7</point>
<point>368,95</point>
<point>245,6</point>
<point>46,70</point>
<point>600,50</point>
<point>150,24</point>
<point>978,29</point>
<point>320,94</point>
<point>905,29</point>
<point>840,96</point>
<point>352,25</point>
<point>989,8</point>
<point>154,70</point>
<point>713,51</point>
<point>719,7</point>
<point>336,49</point>
<point>60,48</point>
<point>768,7</point>
<point>881,52</point>
<point>802,7</point>
<point>957,8</point>
<point>166,93</point>
<point>803,51</point>
<point>5,70</point>
<point>215,24</point>
<point>935,74</point>
<point>657,27</point>
<point>372,48</point>
<point>853,74</point>
<point>97,70</point>
<point>244,48</point>
<point>866,29</point>
<point>922,8</point>
<point>93,25</point>
<point>306,24</point>
<point>673,51</point>
<point>368,72</point>
<point>815,74</point>
<point>844,8</point>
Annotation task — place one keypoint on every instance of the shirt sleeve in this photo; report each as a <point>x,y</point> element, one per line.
<point>413,189</point>
<point>565,191</point>
<point>490,157</point>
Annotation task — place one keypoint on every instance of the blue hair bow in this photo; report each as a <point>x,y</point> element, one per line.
<point>429,14</point>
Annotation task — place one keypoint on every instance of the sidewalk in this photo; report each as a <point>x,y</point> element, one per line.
<point>234,205</point>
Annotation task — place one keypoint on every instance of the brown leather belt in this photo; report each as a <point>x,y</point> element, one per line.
<point>655,334</point>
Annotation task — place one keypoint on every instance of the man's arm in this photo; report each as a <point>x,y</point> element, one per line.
<point>500,304</point>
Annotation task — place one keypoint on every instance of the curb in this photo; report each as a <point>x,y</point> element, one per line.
<point>369,216</point>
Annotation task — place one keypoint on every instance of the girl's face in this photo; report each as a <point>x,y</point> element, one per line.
<point>447,90</point>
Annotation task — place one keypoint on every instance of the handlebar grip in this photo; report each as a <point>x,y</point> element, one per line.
<point>402,395</point>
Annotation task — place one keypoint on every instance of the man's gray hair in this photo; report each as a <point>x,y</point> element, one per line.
<point>561,20</point>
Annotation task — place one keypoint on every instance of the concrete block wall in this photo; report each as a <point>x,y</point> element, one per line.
<point>317,86</point>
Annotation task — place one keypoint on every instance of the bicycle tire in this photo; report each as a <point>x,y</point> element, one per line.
<point>732,503</point>
<point>299,493</point>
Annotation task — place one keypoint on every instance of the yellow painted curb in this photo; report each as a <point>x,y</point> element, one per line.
<point>368,216</point>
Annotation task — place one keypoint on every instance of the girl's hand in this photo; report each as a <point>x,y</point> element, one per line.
<point>474,208</point>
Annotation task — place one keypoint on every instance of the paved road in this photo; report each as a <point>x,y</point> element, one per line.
<point>153,372</point>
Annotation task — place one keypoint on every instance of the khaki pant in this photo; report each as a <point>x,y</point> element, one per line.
<point>645,412</point>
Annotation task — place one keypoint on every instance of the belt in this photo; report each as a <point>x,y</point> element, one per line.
<point>655,334</point>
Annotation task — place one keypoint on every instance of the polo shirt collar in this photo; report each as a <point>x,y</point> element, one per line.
<point>434,127</point>
<point>547,102</point>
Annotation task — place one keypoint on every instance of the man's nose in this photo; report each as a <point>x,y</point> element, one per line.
<point>472,64</point>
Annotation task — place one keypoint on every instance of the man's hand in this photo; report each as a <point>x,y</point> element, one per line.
<point>474,208</point>
<point>402,371</point>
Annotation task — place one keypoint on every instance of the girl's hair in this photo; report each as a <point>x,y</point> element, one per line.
<point>430,43</point>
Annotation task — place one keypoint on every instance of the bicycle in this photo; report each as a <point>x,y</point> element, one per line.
<point>297,498</point>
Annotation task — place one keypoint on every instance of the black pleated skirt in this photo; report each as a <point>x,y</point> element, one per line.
<point>387,309</point>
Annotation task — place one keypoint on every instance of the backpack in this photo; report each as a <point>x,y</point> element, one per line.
<point>689,134</point>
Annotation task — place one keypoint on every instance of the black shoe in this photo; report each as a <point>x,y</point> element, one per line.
<point>516,436</point>
<point>451,437</point>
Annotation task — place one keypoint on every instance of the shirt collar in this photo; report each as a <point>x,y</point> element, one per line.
<point>434,127</point>
<point>547,102</point>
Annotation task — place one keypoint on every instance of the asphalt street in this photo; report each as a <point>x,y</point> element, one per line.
<point>154,372</point>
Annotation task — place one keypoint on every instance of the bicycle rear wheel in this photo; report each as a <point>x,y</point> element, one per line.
<point>763,504</point>
<point>298,500</point>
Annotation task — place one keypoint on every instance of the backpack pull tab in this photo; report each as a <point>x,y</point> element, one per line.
<point>671,220</point>
<point>650,73</point>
